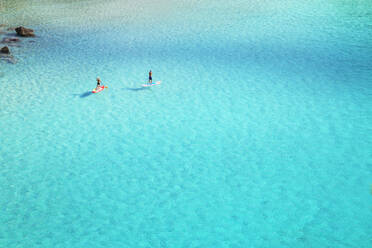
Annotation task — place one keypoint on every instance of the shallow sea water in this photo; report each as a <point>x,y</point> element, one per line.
<point>258,136</point>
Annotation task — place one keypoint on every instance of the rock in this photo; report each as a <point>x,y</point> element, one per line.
<point>10,40</point>
<point>25,32</point>
<point>5,50</point>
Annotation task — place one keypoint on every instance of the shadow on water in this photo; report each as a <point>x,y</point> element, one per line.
<point>85,94</point>
<point>136,89</point>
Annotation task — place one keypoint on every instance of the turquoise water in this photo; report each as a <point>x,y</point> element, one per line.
<point>258,136</point>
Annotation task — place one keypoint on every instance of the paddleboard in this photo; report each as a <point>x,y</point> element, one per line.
<point>95,90</point>
<point>152,84</point>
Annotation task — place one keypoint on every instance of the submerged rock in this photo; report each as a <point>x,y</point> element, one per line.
<point>14,45</point>
<point>5,50</point>
<point>9,59</point>
<point>6,57</point>
<point>25,32</point>
<point>10,40</point>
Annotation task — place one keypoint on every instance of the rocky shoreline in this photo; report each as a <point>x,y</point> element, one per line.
<point>12,39</point>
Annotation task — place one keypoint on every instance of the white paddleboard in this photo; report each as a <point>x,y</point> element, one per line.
<point>152,84</point>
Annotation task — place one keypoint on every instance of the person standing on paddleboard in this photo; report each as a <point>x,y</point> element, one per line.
<point>98,83</point>
<point>150,77</point>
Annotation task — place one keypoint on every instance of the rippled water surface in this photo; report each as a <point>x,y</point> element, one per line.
<point>258,136</point>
